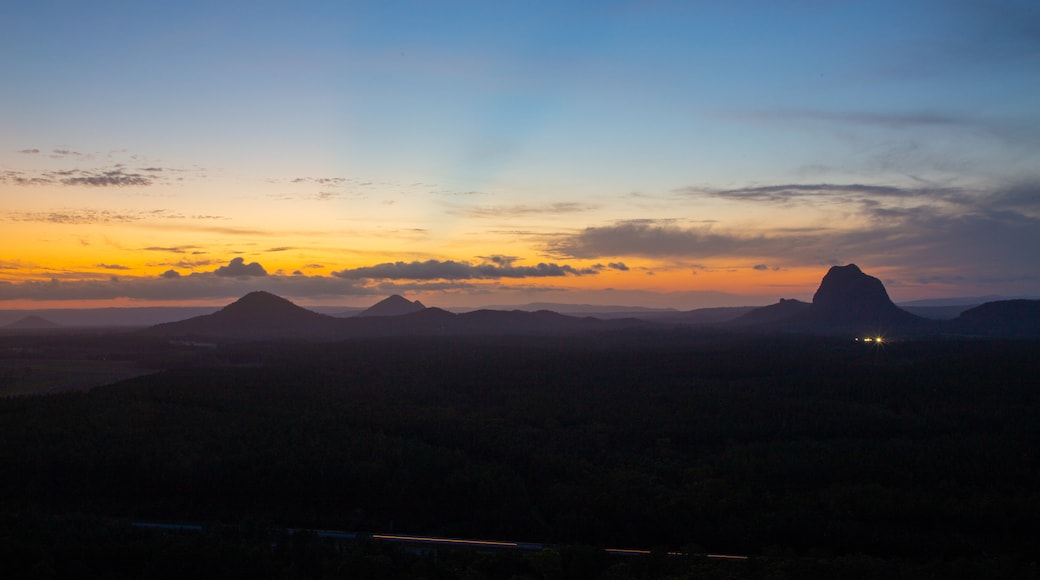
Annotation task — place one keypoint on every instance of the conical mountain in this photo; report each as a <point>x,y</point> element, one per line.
<point>32,322</point>
<point>395,305</point>
<point>256,315</point>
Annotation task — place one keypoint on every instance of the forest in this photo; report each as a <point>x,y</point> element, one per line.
<point>813,456</point>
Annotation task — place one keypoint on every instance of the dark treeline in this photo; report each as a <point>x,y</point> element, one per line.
<point>796,450</point>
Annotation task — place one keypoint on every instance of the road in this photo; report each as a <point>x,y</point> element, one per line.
<point>433,541</point>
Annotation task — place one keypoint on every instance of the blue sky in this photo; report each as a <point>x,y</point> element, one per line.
<point>714,148</point>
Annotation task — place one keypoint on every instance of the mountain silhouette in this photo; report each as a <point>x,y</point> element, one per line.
<point>264,316</point>
<point>1006,318</point>
<point>847,301</point>
<point>256,315</point>
<point>778,313</point>
<point>395,305</point>
<point>32,322</point>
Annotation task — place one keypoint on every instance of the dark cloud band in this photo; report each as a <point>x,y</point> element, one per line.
<point>453,270</point>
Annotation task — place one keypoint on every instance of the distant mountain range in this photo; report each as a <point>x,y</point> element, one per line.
<point>847,302</point>
<point>261,315</point>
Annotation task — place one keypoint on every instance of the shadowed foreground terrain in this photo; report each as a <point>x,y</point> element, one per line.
<point>815,456</point>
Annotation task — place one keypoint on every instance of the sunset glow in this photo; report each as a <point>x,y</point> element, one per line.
<point>466,154</point>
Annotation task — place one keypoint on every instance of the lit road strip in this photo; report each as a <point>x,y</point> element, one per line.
<point>343,535</point>
<point>433,540</point>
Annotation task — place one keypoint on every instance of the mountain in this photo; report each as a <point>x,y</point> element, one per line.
<point>32,322</point>
<point>256,315</point>
<point>1005,318</point>
<point>395,305</point>
<point>778,313</point>
<point>848,296</point>
<point>847,301</point>
<point>264,316</point>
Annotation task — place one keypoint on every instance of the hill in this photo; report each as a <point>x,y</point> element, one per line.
<point>1006,318</point>
<point>256,315</point>
<point>264,316</point>
<point>779,313</point>
<point>32,322</point>
<point>395,305</point>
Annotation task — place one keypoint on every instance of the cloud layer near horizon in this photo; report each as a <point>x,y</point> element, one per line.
<point>932,230</point>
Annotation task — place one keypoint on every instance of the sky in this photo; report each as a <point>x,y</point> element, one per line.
<point>669,154</point>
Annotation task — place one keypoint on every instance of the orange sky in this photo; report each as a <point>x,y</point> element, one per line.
<point>661,154</point>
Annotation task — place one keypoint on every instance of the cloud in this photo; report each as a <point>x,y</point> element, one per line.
<point>171,249</point>
<point>329,181</point>
<point>75,216</point>
<point>114,177</point>
<point>914,233</point>
<point>29,151</point>
<point>20,178</point>
<point>238,268</point>
<point>191,264</point>
<point>112,267</point>
<point>16,265</point>
<point>650,238</point>
<point>172,286</point>
<point>898,120</point>
<point>808,192</point>
<point>324,196</point>
<point>522,210</point>
<point>453,270</point>
<point>500,259</point>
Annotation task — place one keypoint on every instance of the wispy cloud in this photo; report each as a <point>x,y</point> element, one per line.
<point>106,216</point>
<point>564,207</point>
<point>21,178</point>
<point>171,249</point>
<point>111,178</point>
<point>113,267</point>
<point>841,193</point>
<point>327,181</point>
<point>892,120</point>
<point>172,285</point>
<point>75,216</point>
